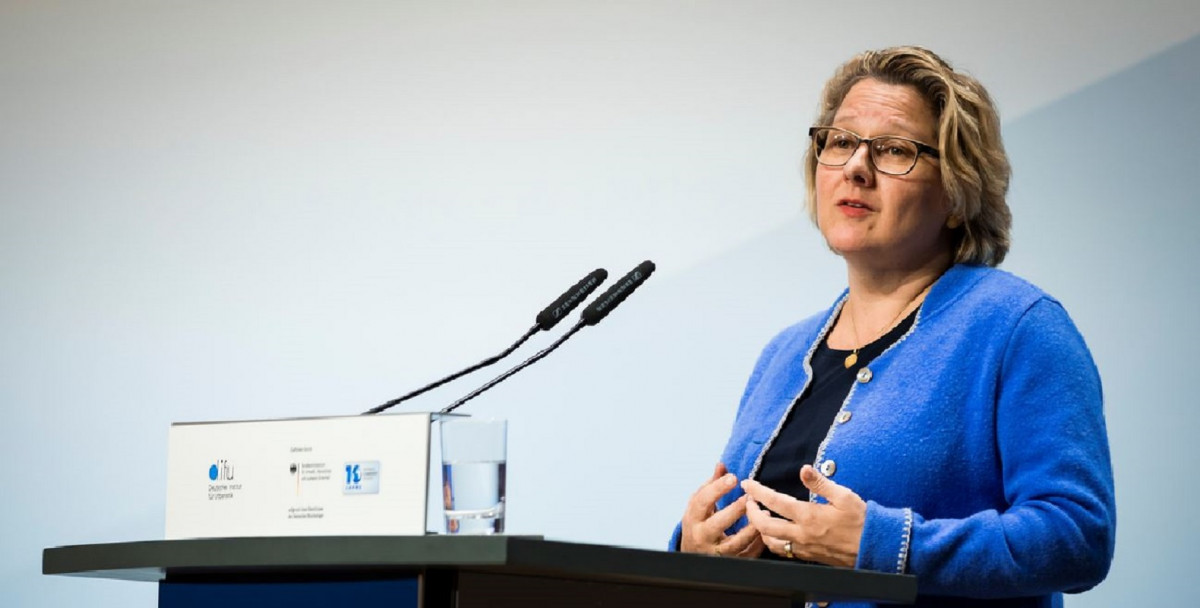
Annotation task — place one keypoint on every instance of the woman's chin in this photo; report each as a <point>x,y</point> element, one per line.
<point>846,246</point>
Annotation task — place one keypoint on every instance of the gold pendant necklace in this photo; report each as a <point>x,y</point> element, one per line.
<point>852,358</point>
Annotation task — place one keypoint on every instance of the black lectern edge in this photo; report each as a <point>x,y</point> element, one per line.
<point>717,573</point>
<point>225,558</point>
<point>110,560</point>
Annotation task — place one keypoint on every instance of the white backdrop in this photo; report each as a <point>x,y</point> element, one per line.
<point>222,210</point>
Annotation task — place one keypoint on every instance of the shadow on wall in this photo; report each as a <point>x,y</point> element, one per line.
<point>1106,216</point>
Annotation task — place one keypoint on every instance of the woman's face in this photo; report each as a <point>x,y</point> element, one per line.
<point>880,220</point>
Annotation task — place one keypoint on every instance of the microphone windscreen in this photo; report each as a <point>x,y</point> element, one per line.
<point>616,294</point>
<point>570,299</point>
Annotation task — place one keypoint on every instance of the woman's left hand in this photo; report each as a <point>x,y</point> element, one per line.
<point>823,533</point>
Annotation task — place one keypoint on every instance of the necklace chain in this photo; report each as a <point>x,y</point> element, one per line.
<point>852,358</point>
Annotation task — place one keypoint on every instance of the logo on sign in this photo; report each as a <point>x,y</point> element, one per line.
<point>220,481</point>
<point>220,470</point>
<point>362,477</point>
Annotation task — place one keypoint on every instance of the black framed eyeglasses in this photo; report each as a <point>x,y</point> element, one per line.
<point>890,154</point>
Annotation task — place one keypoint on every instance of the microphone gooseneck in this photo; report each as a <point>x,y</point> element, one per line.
<point>482,364</point>
<point>548,318</point>
<point>502,377</point>
<point>593,314</point>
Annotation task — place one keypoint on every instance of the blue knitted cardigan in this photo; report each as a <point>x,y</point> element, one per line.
<point>977,440</point>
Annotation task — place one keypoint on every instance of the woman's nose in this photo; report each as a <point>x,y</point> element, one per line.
<point>859,168</point>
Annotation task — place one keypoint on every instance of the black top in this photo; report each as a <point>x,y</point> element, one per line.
<point>810,418</point>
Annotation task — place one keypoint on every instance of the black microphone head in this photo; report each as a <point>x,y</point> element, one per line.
<point>569,300</point>
<point>616,294</point>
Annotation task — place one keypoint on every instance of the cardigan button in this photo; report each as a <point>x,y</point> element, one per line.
<point>828,468</point>
<point>864,375</point>
<point>844,416</point>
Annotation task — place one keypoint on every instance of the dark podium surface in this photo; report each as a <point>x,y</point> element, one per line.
<point>478,570</point>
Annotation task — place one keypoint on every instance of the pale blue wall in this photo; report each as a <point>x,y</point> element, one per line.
<point>1106,213</point>
<point>209,216</point>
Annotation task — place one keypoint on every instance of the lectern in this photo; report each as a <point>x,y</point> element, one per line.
<point>458,572</point>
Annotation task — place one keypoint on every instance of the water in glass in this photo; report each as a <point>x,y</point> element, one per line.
<point>474,496</point>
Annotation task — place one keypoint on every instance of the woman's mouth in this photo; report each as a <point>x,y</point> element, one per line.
<point>854,208</point>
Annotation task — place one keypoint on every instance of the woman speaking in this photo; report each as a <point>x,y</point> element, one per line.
<point>942,418</point>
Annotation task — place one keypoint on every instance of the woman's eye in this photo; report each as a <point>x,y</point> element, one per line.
<point>895,149</point>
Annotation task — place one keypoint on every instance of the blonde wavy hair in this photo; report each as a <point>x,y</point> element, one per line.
<point>974,167</point>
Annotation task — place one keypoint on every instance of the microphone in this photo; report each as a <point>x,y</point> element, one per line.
<point>593,314</point>
<point>552,314</point>
<point>548,318</point>
<point>616,294</point>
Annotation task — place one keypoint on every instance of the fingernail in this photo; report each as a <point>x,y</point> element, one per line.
<point>728,480</point>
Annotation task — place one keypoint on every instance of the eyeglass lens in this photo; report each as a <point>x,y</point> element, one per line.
<point>889,154</point>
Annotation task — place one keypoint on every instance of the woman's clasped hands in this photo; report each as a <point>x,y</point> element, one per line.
<point>823,533</point>
<point>704,526</point>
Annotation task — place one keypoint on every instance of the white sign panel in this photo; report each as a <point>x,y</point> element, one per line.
<point>352,476</point>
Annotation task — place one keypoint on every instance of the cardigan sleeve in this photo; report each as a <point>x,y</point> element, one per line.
<point>1057,531</point>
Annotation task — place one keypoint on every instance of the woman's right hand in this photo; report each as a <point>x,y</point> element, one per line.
<point>704,526</point>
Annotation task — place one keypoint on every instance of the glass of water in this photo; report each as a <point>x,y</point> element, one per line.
<point>473,462</point>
